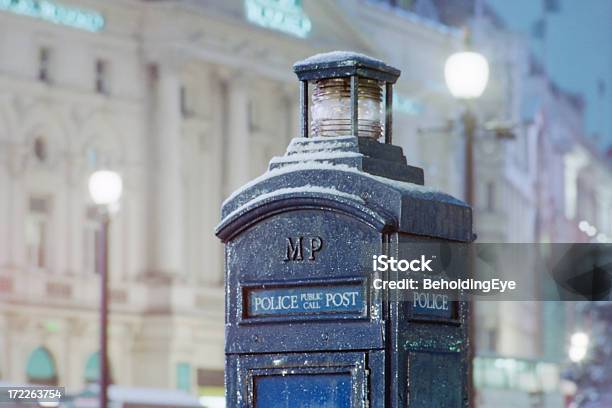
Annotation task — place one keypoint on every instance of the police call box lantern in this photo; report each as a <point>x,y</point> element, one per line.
<point>304,325</point>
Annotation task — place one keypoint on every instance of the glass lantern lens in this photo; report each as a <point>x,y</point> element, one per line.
<point>331,108</point>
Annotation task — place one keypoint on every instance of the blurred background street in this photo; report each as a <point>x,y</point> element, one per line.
<point>190,99</point>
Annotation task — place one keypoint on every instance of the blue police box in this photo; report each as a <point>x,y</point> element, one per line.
<point>304,326</point>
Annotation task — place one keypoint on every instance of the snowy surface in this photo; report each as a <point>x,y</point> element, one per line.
<point>316,166</point>
<point>299,146</point>
<point>316,155</point>
<point>334,56</point>
<point>306,189</point>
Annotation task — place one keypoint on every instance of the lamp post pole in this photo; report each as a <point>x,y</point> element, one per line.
<point>469,122</point>
<point>105,188</point>
<point>469,129</point>
<point>103,268</point>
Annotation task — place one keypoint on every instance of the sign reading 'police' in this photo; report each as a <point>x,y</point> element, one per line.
<point>432,305</point>
<point>306,300</point>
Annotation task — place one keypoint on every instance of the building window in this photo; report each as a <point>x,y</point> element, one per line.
<point>91,243</point>
<point>40,149</point>
<point>491,340</point>
<point>183,376</point>
<point>210,384</point>
<point>404,4</point>
<point>490,196</point>
<point>92,368</point>
<point>97,159</point>
<point>44,62</point>
<point>102,85</point>
<point>253,116</point>
<point>183,101</point>
<point>91,155</point>
<point>37,232</point>
<point>40,368</point>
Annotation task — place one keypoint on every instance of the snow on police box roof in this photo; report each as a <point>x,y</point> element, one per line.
<point>342,64</point>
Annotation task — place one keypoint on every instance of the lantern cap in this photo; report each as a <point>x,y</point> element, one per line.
<point>337,64</point>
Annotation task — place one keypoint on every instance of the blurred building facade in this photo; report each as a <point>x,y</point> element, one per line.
<point>533,188</point>
<point>188,100</point>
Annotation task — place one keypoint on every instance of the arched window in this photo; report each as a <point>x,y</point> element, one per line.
<point>40,149</point>
<point>92,368</point>
<point>41,368</point>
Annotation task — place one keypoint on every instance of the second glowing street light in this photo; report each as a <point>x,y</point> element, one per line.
<point>467,75</point>
<point>105,188</point>
<point>579,347</point>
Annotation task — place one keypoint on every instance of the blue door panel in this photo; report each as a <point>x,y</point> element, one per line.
<point>302,380</point>
<point>303,391</point>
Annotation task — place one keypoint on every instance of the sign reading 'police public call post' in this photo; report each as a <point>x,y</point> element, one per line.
<point>306,300</point>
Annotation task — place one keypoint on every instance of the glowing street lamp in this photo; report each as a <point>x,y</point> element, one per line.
<point>466,74</point>
<point>579,345</point>
<point>105,188</point>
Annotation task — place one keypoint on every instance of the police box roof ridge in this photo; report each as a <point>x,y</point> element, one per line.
<point>338,64</point>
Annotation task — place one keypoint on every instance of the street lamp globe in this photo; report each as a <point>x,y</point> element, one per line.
<point>580,339</point>
<point>466,74</point>
<point>105,187</point>
<point>577,354</point>
<point>579,344</point>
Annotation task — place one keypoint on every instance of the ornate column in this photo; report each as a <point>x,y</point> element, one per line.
<point>237,155</point>
<point>574,162</point>
<point>165,174</point>
<point>17,204</point>
<point>290,113</point>
<point>77,173</point>
<point>211,186</point>
<point>5,186</point>
<point>61,219</point>
<point>604,218</point>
